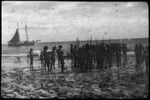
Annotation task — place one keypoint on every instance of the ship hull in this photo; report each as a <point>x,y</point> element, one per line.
<point>21,44</point>
<point>15,41</point>
<point>13,45</point>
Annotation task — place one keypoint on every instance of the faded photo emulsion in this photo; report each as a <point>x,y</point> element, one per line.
<point>62,49</point>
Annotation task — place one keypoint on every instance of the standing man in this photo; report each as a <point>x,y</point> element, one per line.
<point>146,59</point>
<point>118,55</point>
<point>137,57</point>
<point>52,57</point>
<point>141,49</point>
<point>75,57</point>
<point>31,57</point>
<point>60,58</point>
<point>71,55</point>
<point>42,58</point>
<point>45,56</point>
<point>110,55</point>
<point>124,50</point>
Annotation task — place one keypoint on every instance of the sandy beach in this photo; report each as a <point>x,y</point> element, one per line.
<point>19,81</point>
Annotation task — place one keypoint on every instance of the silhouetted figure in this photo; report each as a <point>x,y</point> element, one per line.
<point>86,56</point>
<point>52,57</point>
<point>46,58</point>
<point>124,50</point>
<point>110,55</point>
<point>99,58</point>
<point>71,55</point>
<point>42,58</point>
<point>141,48</point>
<point>61,58</point>
<point>103,57</point>
<point>47,61</point>
<point>107,56</point>
<point>137,57</point>
<point>83,59</point>
<point>146,60</point>
<point>118,55</point>
<point>58,57</point>
<point>31,57</point>
<point>75,55</point>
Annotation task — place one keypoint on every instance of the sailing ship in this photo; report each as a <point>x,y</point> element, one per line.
<point>15,41</point>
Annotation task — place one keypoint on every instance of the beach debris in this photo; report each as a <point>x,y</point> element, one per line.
<point>21,83</point>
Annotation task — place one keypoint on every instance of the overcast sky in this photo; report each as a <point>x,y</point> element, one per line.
<point>64,21</point>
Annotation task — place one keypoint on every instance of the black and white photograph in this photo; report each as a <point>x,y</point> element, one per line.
<point>74,49</point>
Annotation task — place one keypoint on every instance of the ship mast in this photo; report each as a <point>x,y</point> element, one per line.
<point>26,33</point>
<point>17,26</point>
<point>18,30</point>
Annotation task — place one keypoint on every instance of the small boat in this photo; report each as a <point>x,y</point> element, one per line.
<point>38,52</point>
<point>15,41</point>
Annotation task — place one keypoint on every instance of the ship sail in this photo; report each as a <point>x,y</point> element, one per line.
<point>15,38</point>
<point>15,41</point>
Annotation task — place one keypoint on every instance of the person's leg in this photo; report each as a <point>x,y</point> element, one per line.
<point>31,62</point>
<point>110,62</point>
<point>59,65</point>
<point>48,67</point>
<point>42,63</point>
<point>117,62</point>
<point>45,64</point>
<point>62,68</point>
<point>99,64</point>
<point>120,61</point>
<point>54,63</point>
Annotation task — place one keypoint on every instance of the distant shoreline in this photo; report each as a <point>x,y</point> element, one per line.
<point>89,40</point>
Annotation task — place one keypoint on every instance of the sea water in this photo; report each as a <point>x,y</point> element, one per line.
<point>13,57</point>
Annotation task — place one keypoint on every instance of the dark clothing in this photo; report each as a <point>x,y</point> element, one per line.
<point>118,55</point>
<point>137,55</point>
<point>60,56</point>
<point>31,58</point>
<point>71,54</point>
<point>45,59</point>
<point>42,58</point>
<point>101,55</point>
<point>146,59</point>
<point>124,50</point>
<point>52,58</point>
<point>62,61</point>
<point>75,55</point>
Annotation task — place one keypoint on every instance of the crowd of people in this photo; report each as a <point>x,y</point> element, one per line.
<point>141,56</point>
<point>99,56</point>
<point>48,58</point>
<point>91,56</point>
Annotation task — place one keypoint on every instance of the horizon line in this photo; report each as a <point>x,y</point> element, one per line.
<point>87,40</point>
